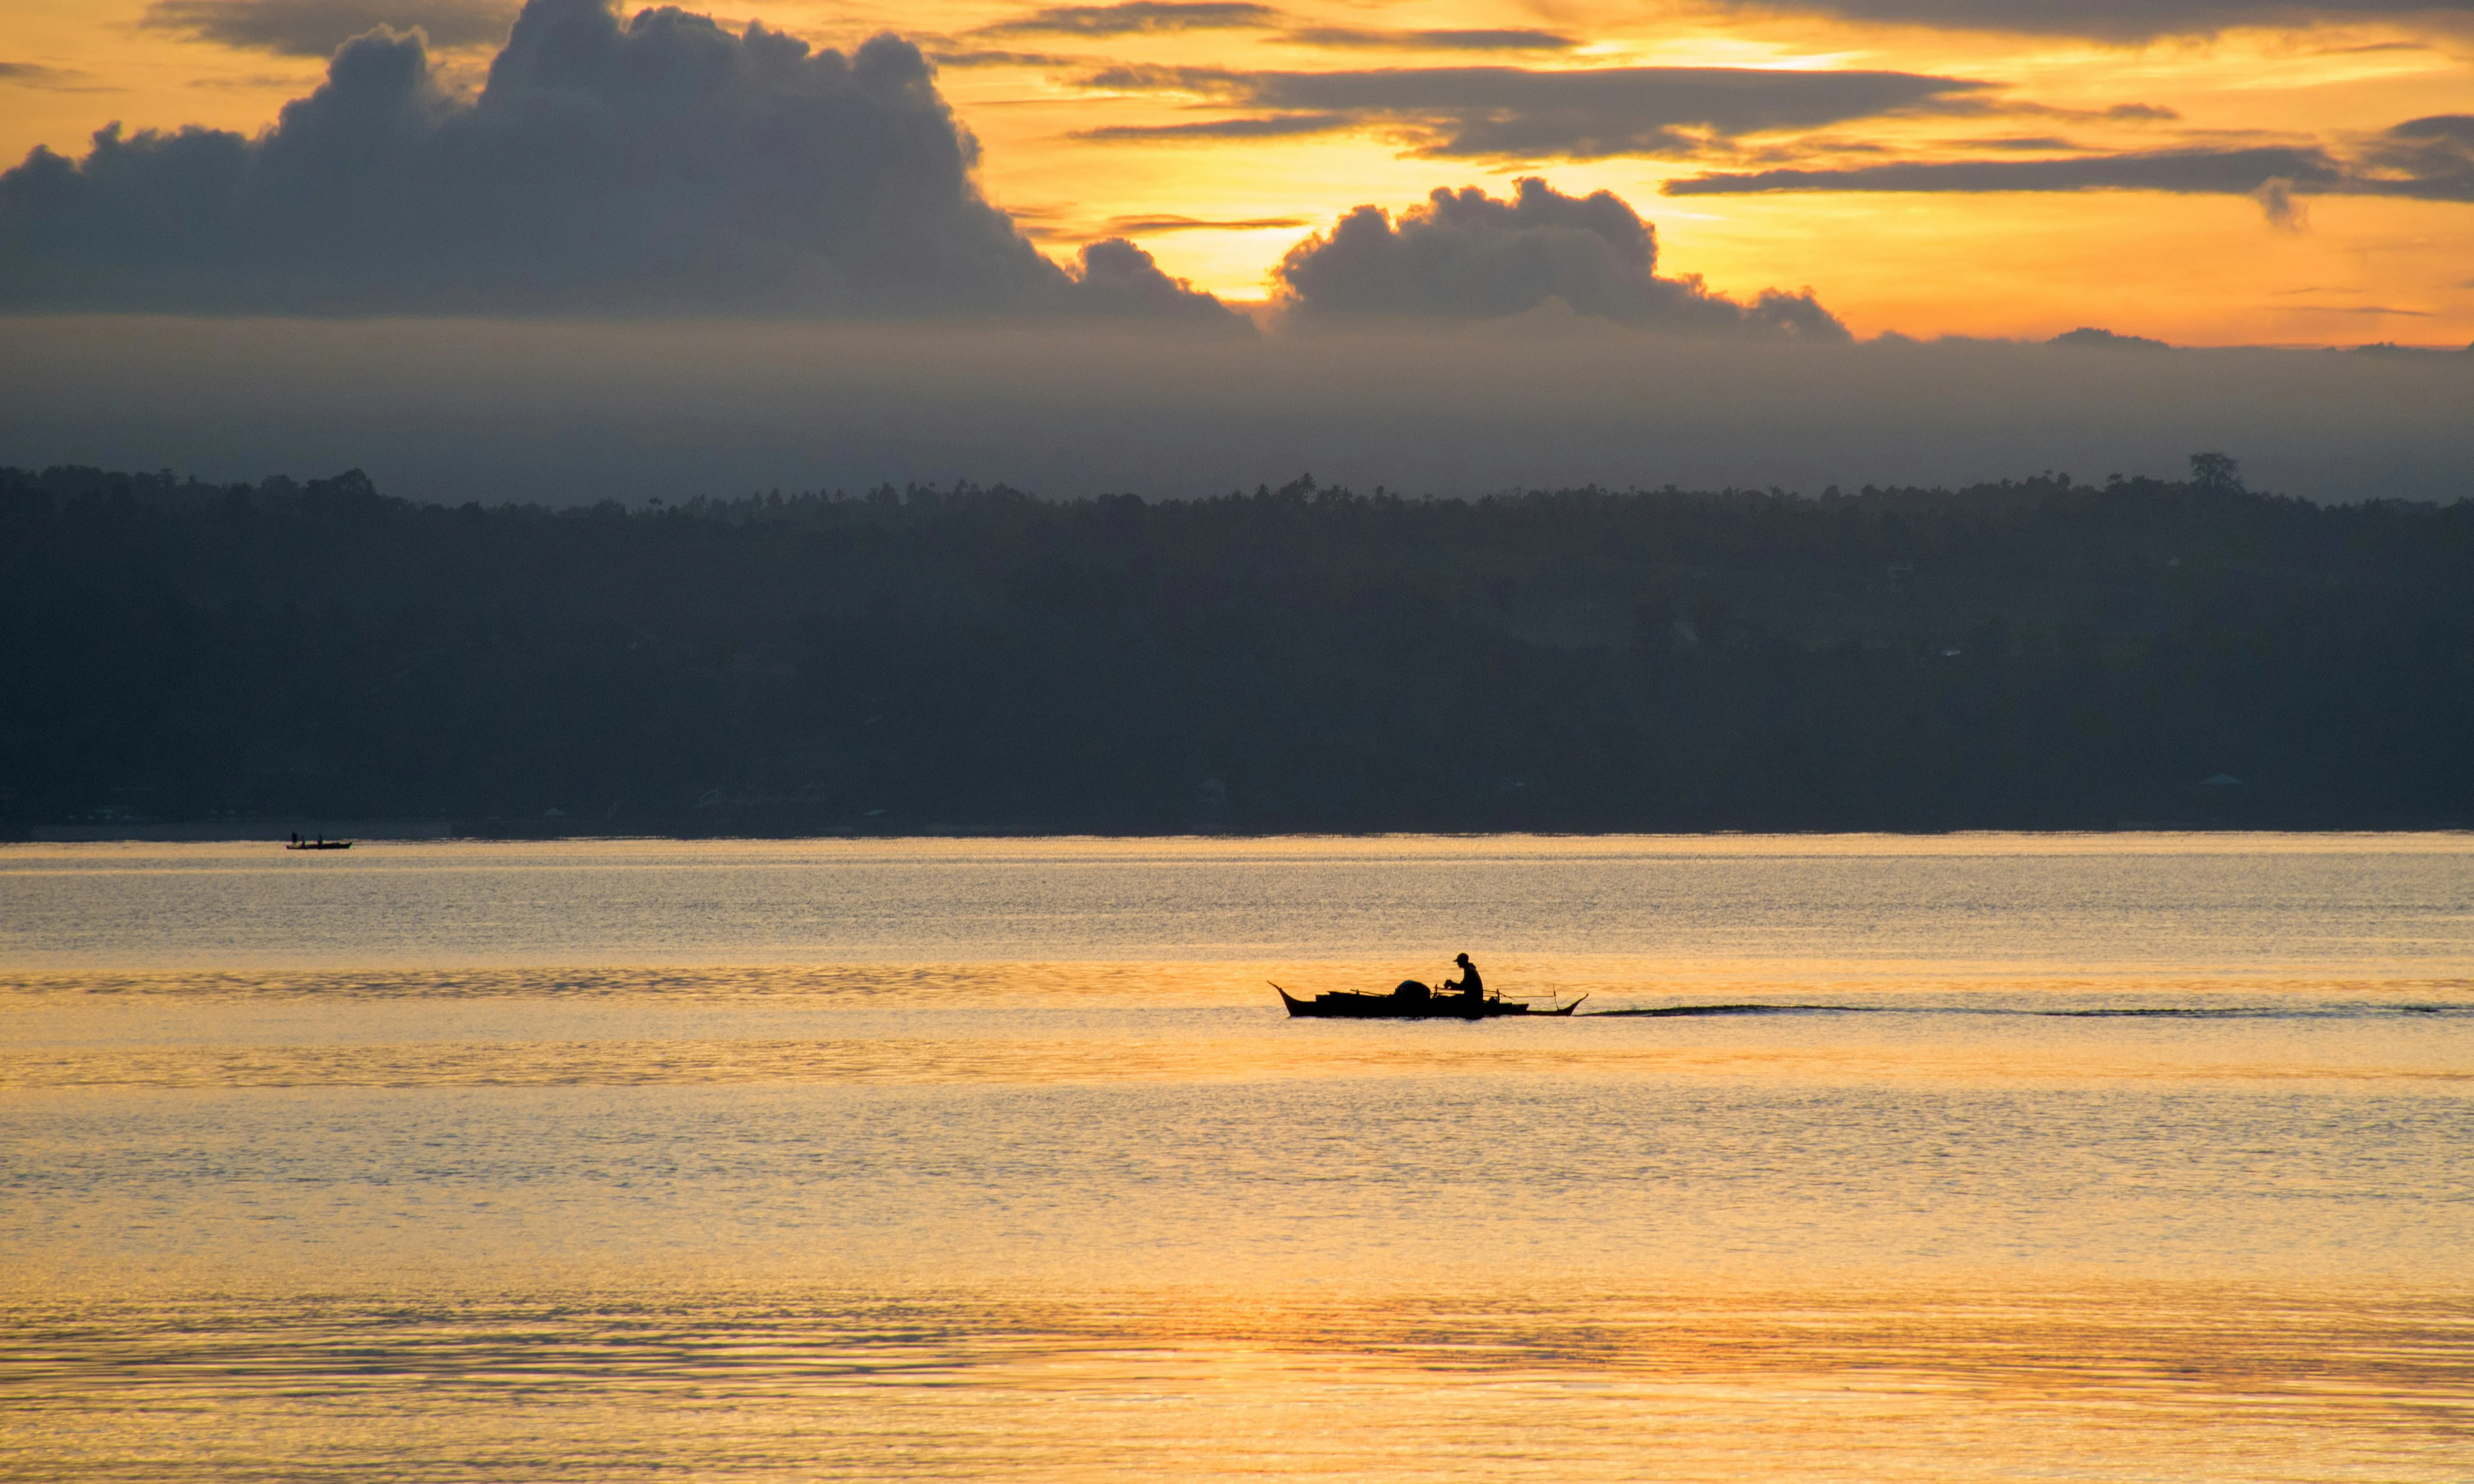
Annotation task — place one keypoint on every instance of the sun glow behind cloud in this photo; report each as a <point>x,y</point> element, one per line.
<point>1071,142</point>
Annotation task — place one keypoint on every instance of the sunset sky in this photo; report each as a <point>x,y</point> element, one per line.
<point>2206,172</point>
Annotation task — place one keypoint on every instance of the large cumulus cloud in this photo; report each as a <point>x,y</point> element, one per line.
<point>1465,254</point>
<point>664,165</point>
<point>316,28</point>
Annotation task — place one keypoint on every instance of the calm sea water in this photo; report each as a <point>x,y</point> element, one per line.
<point>2125,1158</point>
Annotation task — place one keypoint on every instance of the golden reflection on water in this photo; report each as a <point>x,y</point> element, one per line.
<point>1100,1059</point>
<point>2070,903</point>
<point>2101,1158</point>
<point>2182,1382</point>
<point>1612,980</point>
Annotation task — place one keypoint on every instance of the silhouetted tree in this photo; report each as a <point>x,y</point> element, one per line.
<point>2215,472</point>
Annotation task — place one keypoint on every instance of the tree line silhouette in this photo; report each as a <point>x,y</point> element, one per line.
<point>2040,652</point>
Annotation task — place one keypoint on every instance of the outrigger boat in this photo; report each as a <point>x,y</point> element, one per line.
<point>1412,1000</point>
<point>298,843</point>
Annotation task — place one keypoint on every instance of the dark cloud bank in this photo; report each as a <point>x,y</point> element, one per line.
<point>1152,17</point>
<point>2121,21</point>
<point>662,165</point>
<point>2124,21</point>
<point>1511,40</point>
<point>2424,158</point>
<point>1514,113</point>
<point>1137,18</point>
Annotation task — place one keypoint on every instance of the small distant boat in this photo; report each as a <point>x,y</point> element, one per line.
<point>298,843</point>
<point>1411,1001</point>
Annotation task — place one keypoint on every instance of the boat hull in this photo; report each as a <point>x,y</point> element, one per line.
<point>1346,1005</point>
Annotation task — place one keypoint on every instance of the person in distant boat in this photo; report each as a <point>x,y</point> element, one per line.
<point>1469,983</point>
<point>296,837</point>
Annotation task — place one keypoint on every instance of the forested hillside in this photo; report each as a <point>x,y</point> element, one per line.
<point>2034,653</point>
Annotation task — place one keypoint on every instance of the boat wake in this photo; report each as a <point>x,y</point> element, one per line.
<point>2108,1013</point>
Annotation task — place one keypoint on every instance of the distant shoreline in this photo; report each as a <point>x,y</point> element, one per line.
<point>442,831</point>
<point>2040,654</point>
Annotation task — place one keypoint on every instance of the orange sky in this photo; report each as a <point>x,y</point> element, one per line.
<point>2211,269</point>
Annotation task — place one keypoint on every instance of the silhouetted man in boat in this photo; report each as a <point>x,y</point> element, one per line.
<point>1469,983</point>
